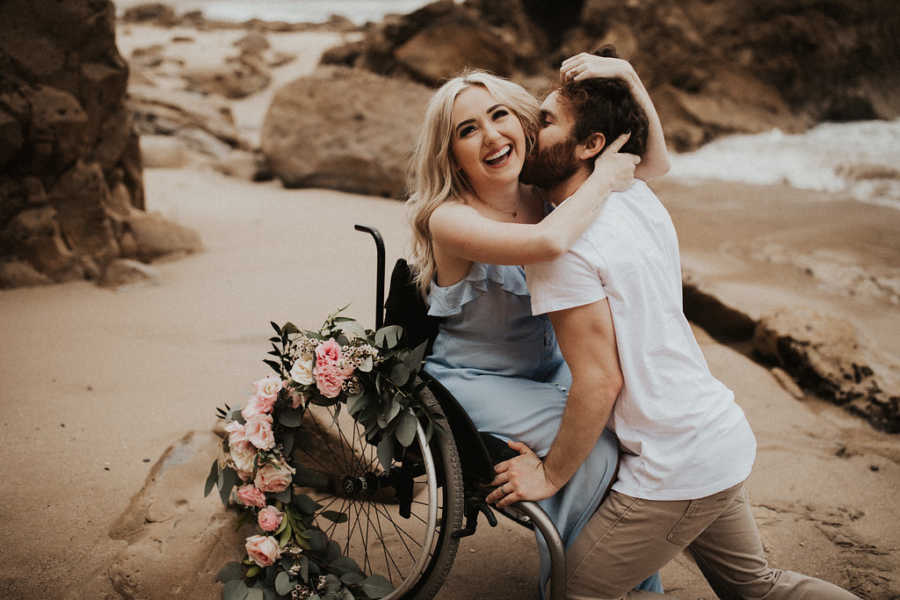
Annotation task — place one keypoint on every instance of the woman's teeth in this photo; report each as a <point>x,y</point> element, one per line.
<point>498,156</point>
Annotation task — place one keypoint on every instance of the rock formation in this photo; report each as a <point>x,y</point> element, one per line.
<point>713,68</point>
<point>344,129</point>
<point>70,167</point>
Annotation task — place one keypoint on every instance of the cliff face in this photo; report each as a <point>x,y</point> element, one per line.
<point>713,68</point>
<point>70,169</point>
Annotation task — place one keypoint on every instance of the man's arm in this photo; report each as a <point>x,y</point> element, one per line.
<point>588,342</point>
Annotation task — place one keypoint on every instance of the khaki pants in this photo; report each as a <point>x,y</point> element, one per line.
<point>628,539</point>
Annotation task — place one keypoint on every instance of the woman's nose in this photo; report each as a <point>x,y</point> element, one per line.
<point>490,133</point>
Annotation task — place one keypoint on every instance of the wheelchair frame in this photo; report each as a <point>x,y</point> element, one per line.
<point>476,458</point>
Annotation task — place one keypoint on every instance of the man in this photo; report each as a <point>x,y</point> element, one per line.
<point>616,306</point>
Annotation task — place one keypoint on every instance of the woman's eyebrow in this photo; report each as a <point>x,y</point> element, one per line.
<point>468,121</point>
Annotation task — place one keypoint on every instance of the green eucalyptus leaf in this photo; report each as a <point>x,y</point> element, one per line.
<point>231,570</point>
<point>386,452</point>
<point>388,337</point>
<point>376,586</point>
<point>229,478</point>
<point>255,594</point>
<point>252,571</point>
<point>335,516</point>
<point>290,328</point>
<point>305,504</point>
<point>287,440</point>
<point>352,578</point>
<point>357,403</point>
<point>290,417</point>
<point>284,496</point>
<point>304,569</point>
<point>391,410</point>
<point>333,551</point>
<point>235,589</point>
<point>212,479</point>
<point>414,359</point>
<point>406,429</point>
<point>317,541</point>
<point>343,565</point>
<point>347,595</point>
<point>283,584</point>
<point>400,374</point>
<point>275,366</point>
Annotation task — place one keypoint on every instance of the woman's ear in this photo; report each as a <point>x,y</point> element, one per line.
<point>594,144</point>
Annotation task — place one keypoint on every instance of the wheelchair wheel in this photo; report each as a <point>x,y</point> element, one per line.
<point>398,522</point>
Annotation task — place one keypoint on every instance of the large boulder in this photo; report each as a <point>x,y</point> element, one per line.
<point>344,129</point>
<point>826,355</point>
<point>239,77</point>
<point>68,147</point>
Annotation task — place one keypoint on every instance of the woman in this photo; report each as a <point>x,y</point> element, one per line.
<point>474,225</point>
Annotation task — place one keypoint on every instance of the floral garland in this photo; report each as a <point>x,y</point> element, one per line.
<point>340,364</point>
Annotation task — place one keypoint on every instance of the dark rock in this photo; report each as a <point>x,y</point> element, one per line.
<point>11,137</point>
<point>236,79</point>
<point>79,196</point>
<point>826,356</point>
<point>123,271</point>
<point>156,236</point>
<point>444,49</point>
<point>358,144</point>
<point>155,12</point>
<point>18,273</point>
<point>254,42</point>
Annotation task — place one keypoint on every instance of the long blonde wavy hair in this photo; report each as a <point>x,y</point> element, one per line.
<point>433,175</point>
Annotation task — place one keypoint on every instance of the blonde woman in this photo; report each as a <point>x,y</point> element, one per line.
<point>474,225</point>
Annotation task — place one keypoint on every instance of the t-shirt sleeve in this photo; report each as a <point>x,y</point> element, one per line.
<point>569,281</point>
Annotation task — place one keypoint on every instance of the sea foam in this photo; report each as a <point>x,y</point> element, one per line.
<point>860,158</point>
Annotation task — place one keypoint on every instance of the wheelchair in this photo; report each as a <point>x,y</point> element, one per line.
<point>405,522</point>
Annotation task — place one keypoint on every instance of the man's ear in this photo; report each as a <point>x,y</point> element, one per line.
<point>594,144</point>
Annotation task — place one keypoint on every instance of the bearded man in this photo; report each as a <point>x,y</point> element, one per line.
<point>615,302</point>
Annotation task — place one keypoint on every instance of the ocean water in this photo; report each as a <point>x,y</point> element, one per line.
<point>860,158</point>
<point>296,11</point>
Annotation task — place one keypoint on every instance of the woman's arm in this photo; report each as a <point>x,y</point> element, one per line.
<point>655,161</point>
<point>462,231</point>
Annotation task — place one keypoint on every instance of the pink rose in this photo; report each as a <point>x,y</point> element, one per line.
<point>268,387</point>
<point>329,379</point>
<point>248,495</point>
<point>269,518</point>
<point>328,352</point>
<point>259,431</point>
<point>243,455</point>
<point>274,476</point>
<point>263,550</point>
<point>236,433</point>
<point>258,405</point>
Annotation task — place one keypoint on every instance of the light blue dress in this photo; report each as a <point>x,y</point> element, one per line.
<point>504,367</point>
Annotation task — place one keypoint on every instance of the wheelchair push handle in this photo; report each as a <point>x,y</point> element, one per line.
<point>379,276</point>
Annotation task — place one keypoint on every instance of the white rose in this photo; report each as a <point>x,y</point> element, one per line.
<point>302,371</point>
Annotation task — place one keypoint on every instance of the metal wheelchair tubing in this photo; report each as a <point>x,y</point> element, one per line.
<point>557,552</point>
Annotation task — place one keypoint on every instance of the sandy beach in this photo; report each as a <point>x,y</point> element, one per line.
<point>99,383</point>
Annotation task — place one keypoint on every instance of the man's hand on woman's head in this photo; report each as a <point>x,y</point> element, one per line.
<point>521,478</point>
<point>616,168</point>
<point>586,66</point>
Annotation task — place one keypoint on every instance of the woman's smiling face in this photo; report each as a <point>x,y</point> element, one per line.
<point>488,141</point>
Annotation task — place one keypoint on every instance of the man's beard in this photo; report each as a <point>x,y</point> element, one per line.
<point>547,167</point>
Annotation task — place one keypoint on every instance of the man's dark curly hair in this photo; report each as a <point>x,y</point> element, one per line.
<point>606,106</point>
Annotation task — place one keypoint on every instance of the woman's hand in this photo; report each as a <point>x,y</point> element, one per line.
<point>521,478</point>
<point>587,66</point>
<point>614,167</point>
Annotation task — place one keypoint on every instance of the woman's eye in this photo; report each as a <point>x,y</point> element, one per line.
<point>500,113</point>
<point>465,131</point>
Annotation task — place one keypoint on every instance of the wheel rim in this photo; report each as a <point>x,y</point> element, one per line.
<point>352,482</point>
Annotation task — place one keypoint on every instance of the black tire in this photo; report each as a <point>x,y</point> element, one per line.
<point>333,451</point>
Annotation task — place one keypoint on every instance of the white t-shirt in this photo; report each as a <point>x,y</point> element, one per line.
<point>683,435</point>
